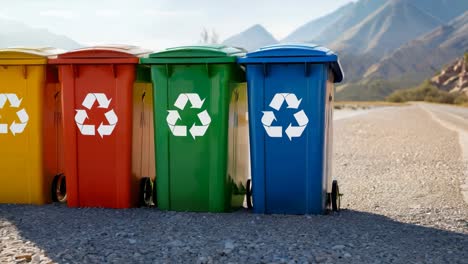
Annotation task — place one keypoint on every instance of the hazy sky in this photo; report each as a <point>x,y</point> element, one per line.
<point>158,24</point>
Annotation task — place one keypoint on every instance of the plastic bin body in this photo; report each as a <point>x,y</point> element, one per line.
<point>97,86</point>
<point>290,89</point>
<point>193,88</point>
<point>143,153</point>
<point>30,126</point>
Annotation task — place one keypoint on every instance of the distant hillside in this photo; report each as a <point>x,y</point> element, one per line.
<point>252,38</point>
<point>409,65</point>
<point>392,25</point>
<point>313,29</point>
<point>373,77</point>
<point>423,56</point>
<point>329,28</point>
<point>445,10</point>
<point>363,32</point>
<point>449,86</point>
<point>18,34</point>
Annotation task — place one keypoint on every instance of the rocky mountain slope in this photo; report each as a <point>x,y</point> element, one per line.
<point>444,10</point>
<point>328,28</point>
<point>331,27</point>
<point>388,28</point>
<point>453,78</point>
<point>423,56</point>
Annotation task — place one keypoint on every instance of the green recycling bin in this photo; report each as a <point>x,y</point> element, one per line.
<point>193,87</point>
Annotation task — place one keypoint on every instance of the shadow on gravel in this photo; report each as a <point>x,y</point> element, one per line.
<point>149,235</point>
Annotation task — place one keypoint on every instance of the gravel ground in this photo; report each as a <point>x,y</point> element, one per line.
<point>347,113</point>
<point>400,173</point>
<point>402,164</point>
<point>455,119</point>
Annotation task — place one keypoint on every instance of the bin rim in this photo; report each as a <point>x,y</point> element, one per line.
<point>295,53</point>
<point>291,50</point>
<point>195,54</point>
<point>102,54</point>
<point>22,55</point>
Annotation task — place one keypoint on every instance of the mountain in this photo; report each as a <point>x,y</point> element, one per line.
<point>410,64</point>
<point>392,25</point>
<point>421,57</point>
<point>352,16</point>
<point>315,28</point>
<point>453,78</point>
<point>375,70</point>
<point>13,33</point>
<point>252,38</point>
<point>445,10</point>
<point>329,28</point>
<point>383,45</point>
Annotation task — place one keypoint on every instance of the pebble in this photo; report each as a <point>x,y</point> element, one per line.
<point>229,245</point>
<point>24,257</point>
<point>338,247</point>
<point>36,258</point>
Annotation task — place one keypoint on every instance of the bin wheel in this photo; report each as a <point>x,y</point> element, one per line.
<point>155,194</point>
<point>146,191</point>
<point>335,196</point>
<point>249,194</point>
<point>328,201</point>
<point>59,188</point>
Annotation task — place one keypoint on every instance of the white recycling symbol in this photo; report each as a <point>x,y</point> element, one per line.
<point>82,115</point>
<point>291,131</point>
<point>173,116</point>
<point>15,128</point>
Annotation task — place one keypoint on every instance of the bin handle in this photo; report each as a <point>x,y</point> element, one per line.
<point>142,115</point>
<point>57,116</point>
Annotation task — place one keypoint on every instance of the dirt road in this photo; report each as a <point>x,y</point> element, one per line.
<point>400,169</point>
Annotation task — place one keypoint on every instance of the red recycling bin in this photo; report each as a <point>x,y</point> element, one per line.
<point>97,88</point>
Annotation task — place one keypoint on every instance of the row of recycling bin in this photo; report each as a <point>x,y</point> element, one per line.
<point>183,128</point>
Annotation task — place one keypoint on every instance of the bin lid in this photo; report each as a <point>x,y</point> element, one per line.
<point>27,55</point>
<point>295,53</point>
<point>195,54</point>
<point>102,54</point>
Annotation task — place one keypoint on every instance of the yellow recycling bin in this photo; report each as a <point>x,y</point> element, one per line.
<point>143,152</point>
<point>30,126</point>
<point>238,144</point>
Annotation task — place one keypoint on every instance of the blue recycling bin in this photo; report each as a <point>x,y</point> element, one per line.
<point>290,90</point>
